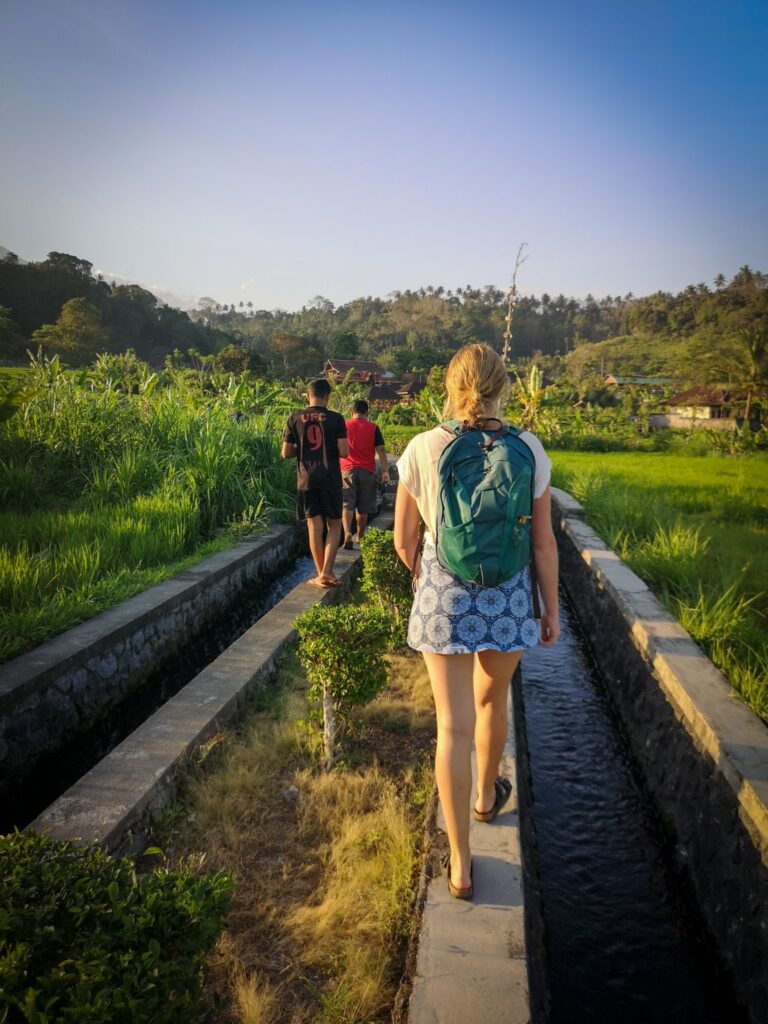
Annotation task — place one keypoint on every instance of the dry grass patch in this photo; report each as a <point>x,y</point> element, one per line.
<point>406,705</point>
<point>326,865</point>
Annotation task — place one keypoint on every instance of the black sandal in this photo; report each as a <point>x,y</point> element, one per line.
<point>454,890</point>
<point>503,789</point>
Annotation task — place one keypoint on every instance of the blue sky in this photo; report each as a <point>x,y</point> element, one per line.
<point>270,152</point>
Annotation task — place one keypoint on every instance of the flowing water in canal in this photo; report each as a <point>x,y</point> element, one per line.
<point>622,946</point>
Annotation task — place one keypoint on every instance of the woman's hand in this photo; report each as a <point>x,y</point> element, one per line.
<point>550,628</point>
<point>416,570</point>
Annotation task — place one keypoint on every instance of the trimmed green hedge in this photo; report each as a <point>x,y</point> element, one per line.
<point>386,580</point>
<point>84,938</point>
<point>396,437</point>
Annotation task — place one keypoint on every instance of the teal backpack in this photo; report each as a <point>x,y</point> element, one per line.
<point>485,504</point>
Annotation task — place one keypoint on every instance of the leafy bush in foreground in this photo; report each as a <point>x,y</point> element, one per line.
<point>342,649</point>
<point>387,580</point>
<point>84,938</point>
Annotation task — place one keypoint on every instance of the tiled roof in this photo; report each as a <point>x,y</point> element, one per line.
<point>343,366</point>
<point>383,393</point>
<point>700,394</point>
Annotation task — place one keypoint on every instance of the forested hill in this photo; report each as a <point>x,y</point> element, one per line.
<point>59,303</point>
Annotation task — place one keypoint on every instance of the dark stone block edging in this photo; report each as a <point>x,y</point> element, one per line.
<point>53,693</point>
<point>703,753</point>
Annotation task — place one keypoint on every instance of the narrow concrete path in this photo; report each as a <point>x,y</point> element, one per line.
<point>471,965</point>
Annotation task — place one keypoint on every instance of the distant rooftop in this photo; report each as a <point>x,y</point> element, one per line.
<point>701,394</point>
<point>615,378</point>
<point>383,393</point>
<point>343,366</point>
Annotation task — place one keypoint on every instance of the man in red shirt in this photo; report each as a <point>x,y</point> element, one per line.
<point>359,470</point>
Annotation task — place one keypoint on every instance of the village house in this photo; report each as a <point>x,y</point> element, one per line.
<point>361,371</point>
<point>701,402</point>
<point>386,390</point>
<point>383,396</point>
<point>408,392</point>
<point>707,405</point>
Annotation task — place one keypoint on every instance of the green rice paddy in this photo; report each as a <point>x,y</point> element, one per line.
<point>696,529</point>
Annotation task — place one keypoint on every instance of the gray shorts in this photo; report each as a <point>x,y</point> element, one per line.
<point>359,491</point>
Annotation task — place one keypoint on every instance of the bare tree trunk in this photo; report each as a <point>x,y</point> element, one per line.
<point>511,303</point>
<point>329,727</point>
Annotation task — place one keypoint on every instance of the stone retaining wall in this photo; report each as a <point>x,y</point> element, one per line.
<point>118,799</point>
<point>703,753</point>
<point>57,691</point>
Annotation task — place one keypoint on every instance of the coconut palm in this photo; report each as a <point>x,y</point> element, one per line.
<point>752,367</point>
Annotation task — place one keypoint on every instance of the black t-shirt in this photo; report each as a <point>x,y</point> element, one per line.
<point>316,432</point>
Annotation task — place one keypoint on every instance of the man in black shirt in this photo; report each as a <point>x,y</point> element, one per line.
<point>317,437</point>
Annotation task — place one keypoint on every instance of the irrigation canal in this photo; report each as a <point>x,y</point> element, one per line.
<point>56,773</point>
<point>621,941</point>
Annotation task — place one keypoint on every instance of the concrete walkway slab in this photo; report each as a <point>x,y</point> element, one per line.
<point>471,964</point>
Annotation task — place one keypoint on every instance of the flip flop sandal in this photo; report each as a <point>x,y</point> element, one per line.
<point>454,890</point>
<point>503,789</point>
<point>318,585</point>
<point>331,581</point>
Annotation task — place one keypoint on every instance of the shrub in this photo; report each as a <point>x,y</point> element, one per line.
<point>341,649</point>
<point>84,938</point>
<point>386,580</point>
<point>397,437</point>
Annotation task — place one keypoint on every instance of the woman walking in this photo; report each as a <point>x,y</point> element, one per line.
<point>471,636</point>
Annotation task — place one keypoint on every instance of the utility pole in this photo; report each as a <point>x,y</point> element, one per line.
<point>511,303</point>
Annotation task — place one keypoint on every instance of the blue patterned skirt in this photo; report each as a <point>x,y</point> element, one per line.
<point>451,616</point>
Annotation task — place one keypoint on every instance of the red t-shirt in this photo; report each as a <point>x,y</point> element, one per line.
<point>364,438</point>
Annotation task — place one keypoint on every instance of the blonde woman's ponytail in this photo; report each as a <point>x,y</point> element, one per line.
<point>477,384</point>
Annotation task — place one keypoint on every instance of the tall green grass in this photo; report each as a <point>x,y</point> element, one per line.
<point>695,530</point>
<point>102,490</point>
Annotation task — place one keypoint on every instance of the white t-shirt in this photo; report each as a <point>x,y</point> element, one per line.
<point>417,470</point>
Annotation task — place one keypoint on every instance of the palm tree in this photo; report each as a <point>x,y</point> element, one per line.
<point>753,367</point>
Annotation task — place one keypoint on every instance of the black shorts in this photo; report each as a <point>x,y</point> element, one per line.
<point>326,503</point>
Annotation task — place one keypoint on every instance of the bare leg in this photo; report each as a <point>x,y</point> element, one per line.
<point>362,520</point>
<point>451,678</point>
<point>348,516</point>
<point>316,525</point>
<point>332,542</point>
<point>493,671</point>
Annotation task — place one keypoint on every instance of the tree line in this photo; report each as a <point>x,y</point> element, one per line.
<point>60,305</point>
